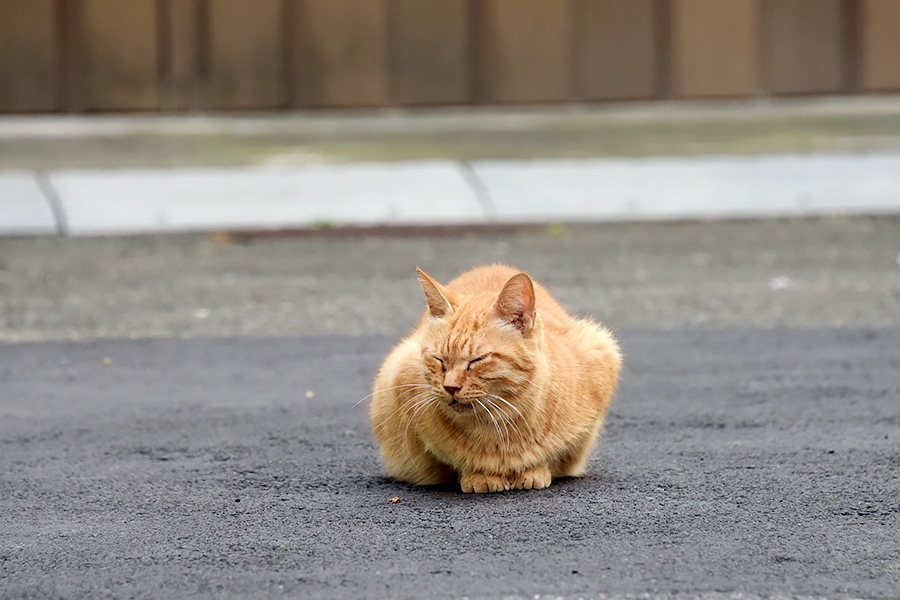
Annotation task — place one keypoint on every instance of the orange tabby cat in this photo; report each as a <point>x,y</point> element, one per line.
<point>497,388</point>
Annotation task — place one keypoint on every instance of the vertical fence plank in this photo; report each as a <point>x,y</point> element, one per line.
<point>340,53</point>
<point>715,48</point>
<point>429,48</point>
<point>181,53</point>
<point>850,18</point>
<point>246,57</point>
<point>616,53</point>
<point>802,46</point>
<point>880,45</point>
<point>118,64</point>
<point>28,66</point>
<point>525,51</point>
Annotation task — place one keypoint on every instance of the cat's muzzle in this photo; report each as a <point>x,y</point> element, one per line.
<point>460,406</point>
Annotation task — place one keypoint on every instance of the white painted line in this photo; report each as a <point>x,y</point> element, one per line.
<point>142,201</point>
<point>691,187</point>
<point>23,208</point>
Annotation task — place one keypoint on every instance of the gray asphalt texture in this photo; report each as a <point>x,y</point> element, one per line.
<point>838,272</point>
<point>752,450</point>
<point>737,463</point>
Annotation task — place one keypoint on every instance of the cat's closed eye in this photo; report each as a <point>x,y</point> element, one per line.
<point>475,360</point>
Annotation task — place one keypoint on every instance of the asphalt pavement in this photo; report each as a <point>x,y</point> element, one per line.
<point>751,451</point>
<point>840,272</point>
<point>177,411</point>
<point>737,464</point>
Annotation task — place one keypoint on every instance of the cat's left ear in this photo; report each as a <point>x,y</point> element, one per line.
<point>435,294</point>
<point>515,304</point>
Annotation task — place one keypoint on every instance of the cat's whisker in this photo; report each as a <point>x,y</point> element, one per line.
<point>406,385</point>
<point>502,421</point>
<point>507,422</point>
<point>409,310</point>
<point>410,409</point>
<point>412,387</point>
<point>422,406</point>
<point>478,418</point>
<point>494,421</point>
<point>407,405</point>
<point>414,403</point>
<point>403,406</point>
<point>507,403</point>
<point>513,406</point>
<point>505,439</point>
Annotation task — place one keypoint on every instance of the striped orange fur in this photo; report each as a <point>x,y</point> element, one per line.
<point>498,388</point>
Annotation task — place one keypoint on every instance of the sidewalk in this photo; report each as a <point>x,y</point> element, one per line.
<point>139,174</point>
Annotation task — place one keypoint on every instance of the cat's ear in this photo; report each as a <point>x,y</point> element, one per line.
<point>515,304</point>
<point>435,294</point>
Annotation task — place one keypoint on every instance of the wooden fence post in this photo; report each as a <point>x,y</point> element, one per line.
<point>715,48</point>
<point>880,45</point>
<point>339,53</point>
<point>615,49</point>
<point>29,77</point>
<point>802,46</point>
<point>526,51</point>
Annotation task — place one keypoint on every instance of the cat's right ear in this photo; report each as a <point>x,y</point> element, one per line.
<point>438,304</point>
<point>515,305</point>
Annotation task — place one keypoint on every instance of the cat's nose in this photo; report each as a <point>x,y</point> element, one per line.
<point>451,389</point>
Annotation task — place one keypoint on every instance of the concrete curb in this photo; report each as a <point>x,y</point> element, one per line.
<point>692,187</point>
<point>24,207</point>
<point>443,192</point>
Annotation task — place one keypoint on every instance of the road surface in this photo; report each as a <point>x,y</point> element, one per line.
<point>737,463</point>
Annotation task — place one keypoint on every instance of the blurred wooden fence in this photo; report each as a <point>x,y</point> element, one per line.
<point>178,55</point>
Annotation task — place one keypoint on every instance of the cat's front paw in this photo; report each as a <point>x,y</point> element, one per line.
<point>532,479</point>
<point>482,484</point>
